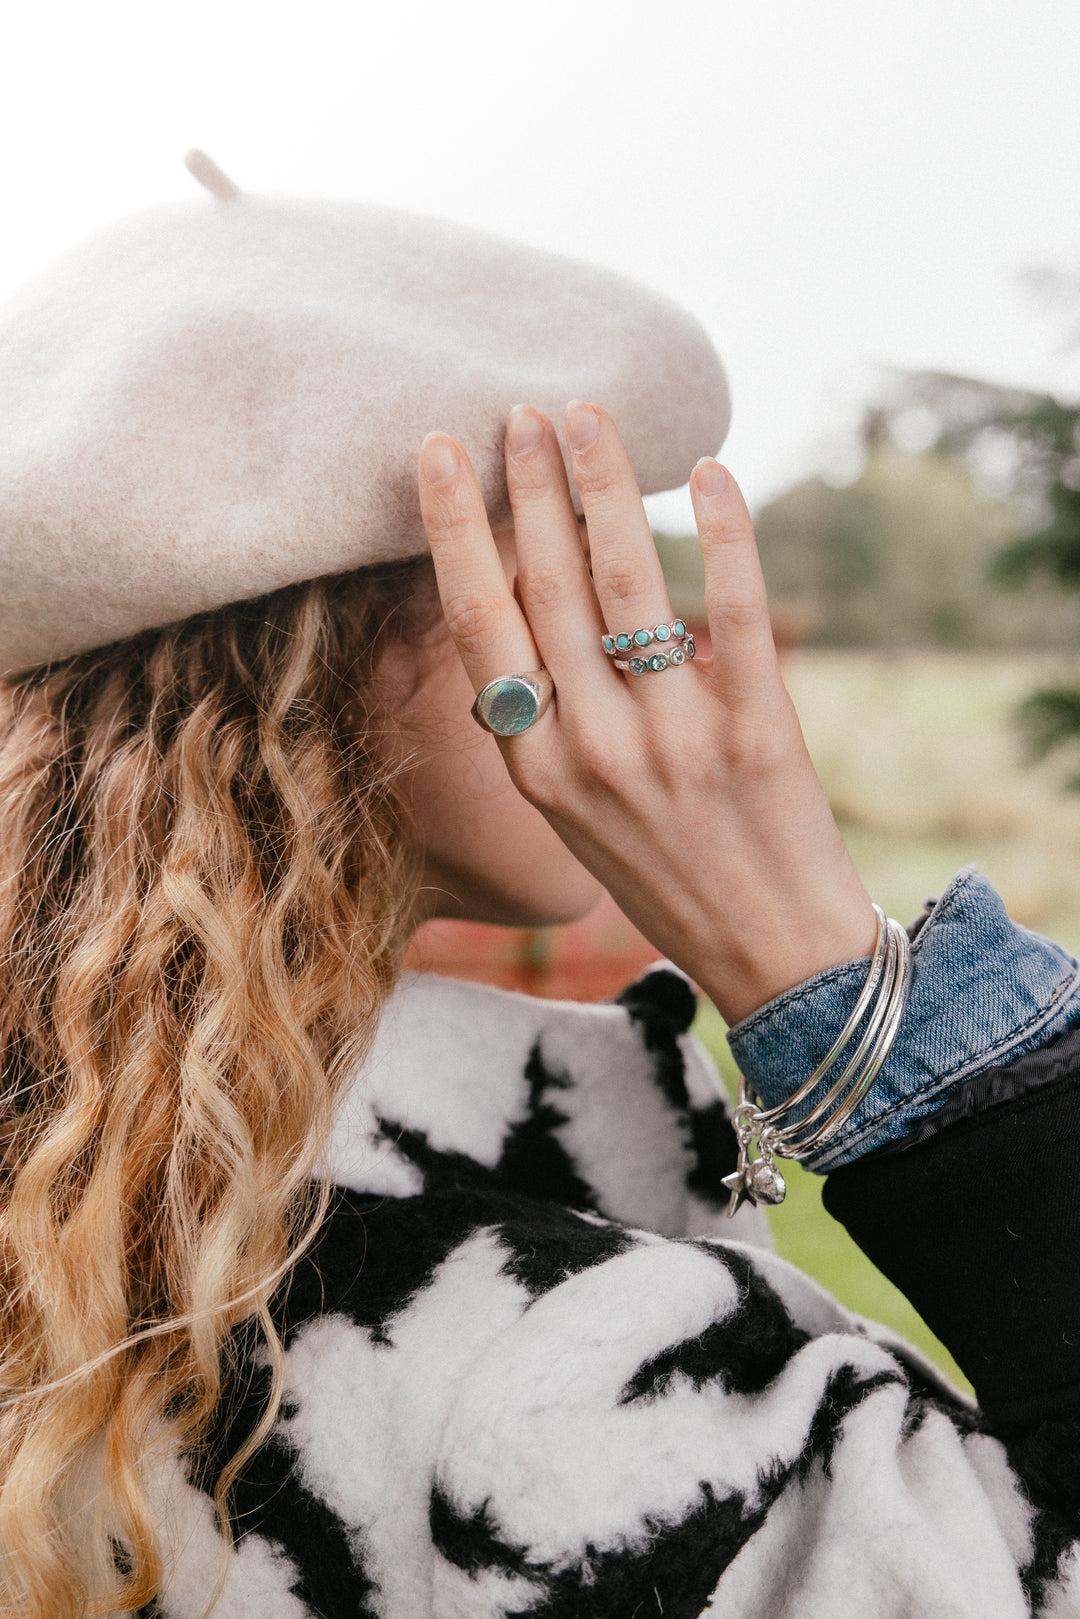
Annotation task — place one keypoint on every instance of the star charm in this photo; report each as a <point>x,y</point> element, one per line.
<point>740,1192</point>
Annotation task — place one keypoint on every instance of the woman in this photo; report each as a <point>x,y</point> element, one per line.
<point>411,1282</point>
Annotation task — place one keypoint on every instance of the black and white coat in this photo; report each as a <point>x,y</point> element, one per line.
<point>532,1371</point>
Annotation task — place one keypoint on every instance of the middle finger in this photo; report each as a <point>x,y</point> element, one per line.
<point>627,575</point>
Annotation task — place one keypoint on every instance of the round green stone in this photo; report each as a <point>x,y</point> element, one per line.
<point>510,707</point>
<point>643,637</point>
<point>662,632</point>
<point>679,628</point>
<point>657,662</point>
<point>609,643</point>
<point>623,642</point>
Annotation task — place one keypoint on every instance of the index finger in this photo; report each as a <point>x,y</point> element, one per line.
<point>487,625</point>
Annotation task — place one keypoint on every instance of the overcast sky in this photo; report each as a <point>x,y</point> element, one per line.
<point>829,186</point>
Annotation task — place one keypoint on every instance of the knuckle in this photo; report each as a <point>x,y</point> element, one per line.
<point>452,522</point>
<point>753,749</point>
<point>529,485</point>
<point>597,758</point>
<point>723,532</point>
<point>473,622</point>
<point>739,612</point>
<point>533,777</point>
<point>601,483</point>
<point>447,512</point>
<point>542,585</point>
<point>620,579</point>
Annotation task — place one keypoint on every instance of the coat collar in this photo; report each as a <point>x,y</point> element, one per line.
<point>615,1107</point>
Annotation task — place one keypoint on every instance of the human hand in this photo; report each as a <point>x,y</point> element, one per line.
<point>689,793</point>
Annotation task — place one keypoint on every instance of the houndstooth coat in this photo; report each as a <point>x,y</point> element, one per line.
<point>531,1371</point>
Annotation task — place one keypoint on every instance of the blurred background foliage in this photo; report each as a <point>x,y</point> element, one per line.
<point>963,489</point>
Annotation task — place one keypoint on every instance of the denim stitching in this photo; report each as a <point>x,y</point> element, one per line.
<point>997,1117</point>
<point>791,997</point>
<point>1001,1045</point>
<point>962,1070</point>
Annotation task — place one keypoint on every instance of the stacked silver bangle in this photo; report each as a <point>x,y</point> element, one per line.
<point>880,1007</point>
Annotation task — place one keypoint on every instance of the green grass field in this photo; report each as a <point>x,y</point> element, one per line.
<point>925,773</point>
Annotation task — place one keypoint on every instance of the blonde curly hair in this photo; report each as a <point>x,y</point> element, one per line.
<point>206,880</point>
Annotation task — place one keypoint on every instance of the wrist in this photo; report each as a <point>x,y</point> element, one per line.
<point>786,945</point>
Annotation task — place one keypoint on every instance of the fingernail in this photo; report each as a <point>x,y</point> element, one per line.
<point>711,477</point>
<point>438,459</point>
<point>524,430</point>
<point>582,425</point>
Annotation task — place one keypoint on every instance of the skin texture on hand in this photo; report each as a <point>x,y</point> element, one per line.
<point>689,793</point>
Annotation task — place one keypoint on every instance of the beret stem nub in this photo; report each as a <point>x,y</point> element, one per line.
<point>206,171</point>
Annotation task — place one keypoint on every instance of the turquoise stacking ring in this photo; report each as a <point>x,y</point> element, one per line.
<point>630,643</point>
<point>656,662</point>
<point>513,703</point>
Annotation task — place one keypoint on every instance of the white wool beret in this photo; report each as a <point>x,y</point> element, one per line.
<point>210,400</point>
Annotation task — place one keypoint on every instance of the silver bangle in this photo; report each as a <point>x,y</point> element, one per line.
<point>881,1004</point>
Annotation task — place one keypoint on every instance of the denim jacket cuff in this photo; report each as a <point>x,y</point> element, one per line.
<point>983,991</point>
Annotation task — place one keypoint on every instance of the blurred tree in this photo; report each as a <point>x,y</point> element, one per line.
<point>903,555</point>
<point>1040,438</point>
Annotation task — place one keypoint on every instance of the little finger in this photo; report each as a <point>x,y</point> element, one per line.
<point>744,663</point>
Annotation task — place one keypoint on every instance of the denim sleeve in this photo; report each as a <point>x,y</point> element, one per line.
<point>983,992</point>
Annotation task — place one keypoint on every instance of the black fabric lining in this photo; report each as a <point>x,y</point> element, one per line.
<point>994,1087</point>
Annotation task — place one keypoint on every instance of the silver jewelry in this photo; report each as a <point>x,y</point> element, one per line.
<point>629,643</point>
<point>881,1004</point>
<point>658,661</point>
<point>512,703</point>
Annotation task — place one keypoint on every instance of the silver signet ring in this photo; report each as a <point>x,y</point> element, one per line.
<point>509,705</point>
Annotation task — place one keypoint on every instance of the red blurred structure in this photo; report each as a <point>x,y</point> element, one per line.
<point>590,960</point>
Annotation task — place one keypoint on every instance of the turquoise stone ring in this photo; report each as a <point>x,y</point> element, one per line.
<point>676,639</point>
<point>631,640</point>
<point>513,703</point>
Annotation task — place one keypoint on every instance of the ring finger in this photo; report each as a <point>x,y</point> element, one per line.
<point>627,575</point>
